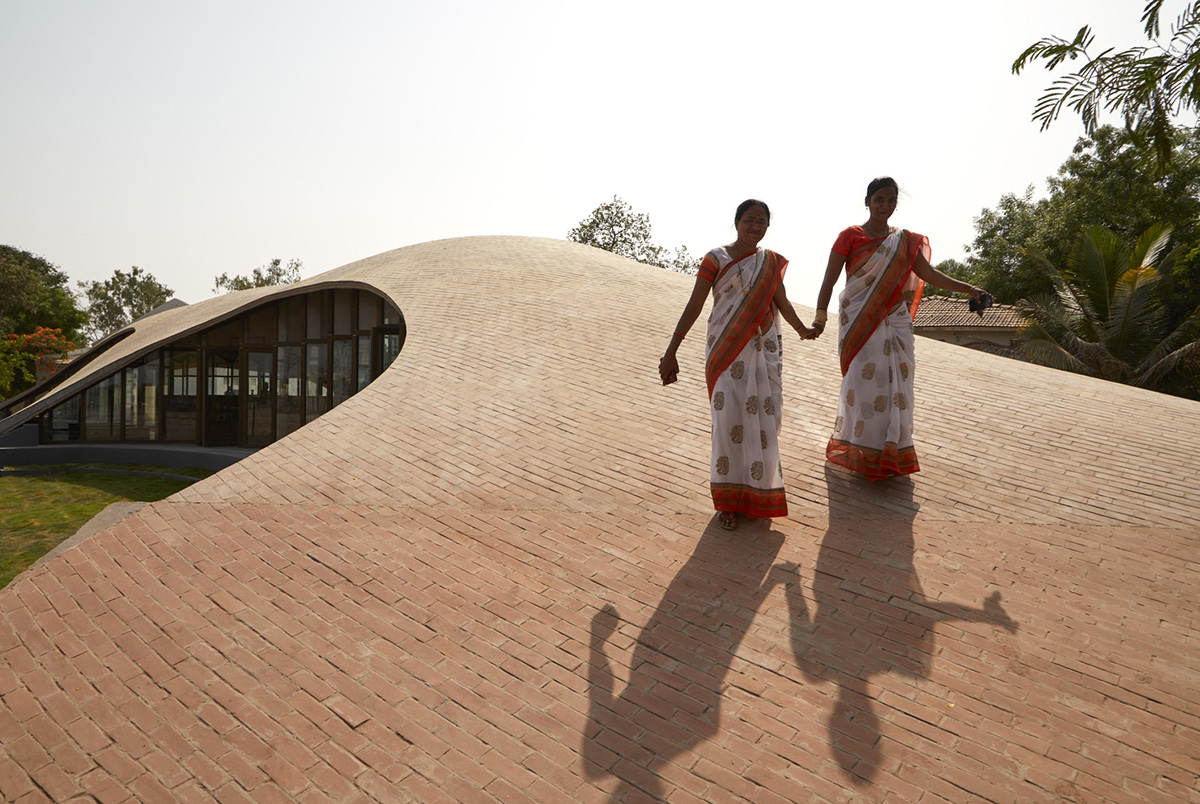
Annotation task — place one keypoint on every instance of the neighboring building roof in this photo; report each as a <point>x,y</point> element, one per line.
<point>944,311</point>
<point>494,575</point>
<point>170,304</point>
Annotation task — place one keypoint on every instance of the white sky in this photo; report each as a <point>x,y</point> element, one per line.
<point>201,138</point>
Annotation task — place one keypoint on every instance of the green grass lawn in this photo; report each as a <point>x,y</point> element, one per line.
<point>39,511</point>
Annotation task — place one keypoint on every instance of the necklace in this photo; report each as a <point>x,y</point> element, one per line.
<point>873,236</point>
<point>745,290</point>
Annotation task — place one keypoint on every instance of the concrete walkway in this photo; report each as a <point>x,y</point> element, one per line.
<point>494,576</point>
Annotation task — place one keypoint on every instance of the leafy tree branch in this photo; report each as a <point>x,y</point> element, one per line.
<point>1148,85</point>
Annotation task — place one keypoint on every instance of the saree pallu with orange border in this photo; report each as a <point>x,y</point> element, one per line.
<point>873,430</point>
<point>743,370</point>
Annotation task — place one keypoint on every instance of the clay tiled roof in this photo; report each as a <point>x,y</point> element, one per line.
<point>944,311</point>
<point>494,576</point>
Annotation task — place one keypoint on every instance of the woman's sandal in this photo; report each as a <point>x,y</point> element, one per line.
<point>727,520</point>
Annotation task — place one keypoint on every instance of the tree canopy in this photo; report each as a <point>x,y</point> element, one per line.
<point>1148,85</point>
<point>614,226</point>
<point>122,299</point>
<point>273,273</point>
<point>36,293</point>
<point>1103,183</point>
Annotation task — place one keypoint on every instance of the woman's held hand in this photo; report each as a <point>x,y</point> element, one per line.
<point>818,324</point>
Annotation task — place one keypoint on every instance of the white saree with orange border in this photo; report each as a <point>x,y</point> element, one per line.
<point>873,432</point>
<point>743,369</point>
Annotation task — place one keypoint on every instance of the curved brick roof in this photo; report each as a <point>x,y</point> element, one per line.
<point>493,575</point>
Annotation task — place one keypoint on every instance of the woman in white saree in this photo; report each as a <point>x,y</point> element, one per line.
<point>886,270</point>
<point>743,367</point>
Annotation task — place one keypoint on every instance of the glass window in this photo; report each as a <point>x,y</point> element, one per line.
<point>222,373</point>
<point>63,421</point>
<point>261,326</point>
<point>391,315</point>
<point>318,315</point>
<point>363,362</point>
<point>343,311</point>
<point>368,310</point>
<point>289,405</point>
<point>260,371</point>
<point>291,319</point>
<point>222,407</point>
<point>390,349</point>
<point>141,401</point>
<point>179,389</point>
<point>343,370</point>
<point>228,335</point>
<point>102,410</point>
<point>316,380</point>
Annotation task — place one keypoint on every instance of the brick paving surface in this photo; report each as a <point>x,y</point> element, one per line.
<point>494,576</point>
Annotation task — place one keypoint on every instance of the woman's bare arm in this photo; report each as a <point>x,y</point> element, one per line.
<point>789,313</point>
<point>933,276</point>
<point>833,270</point>
<point>669,365</point>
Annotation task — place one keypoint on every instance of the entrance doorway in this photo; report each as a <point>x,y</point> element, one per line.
<point>222,381</point>
<point>259,396</point>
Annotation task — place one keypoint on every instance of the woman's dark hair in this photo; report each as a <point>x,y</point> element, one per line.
<point>751,202</point>
<point>878,184</point>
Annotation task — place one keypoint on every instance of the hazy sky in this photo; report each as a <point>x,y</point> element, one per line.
<point>201,138</point>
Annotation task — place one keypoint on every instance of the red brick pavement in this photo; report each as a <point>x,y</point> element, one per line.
<point>493,576</point>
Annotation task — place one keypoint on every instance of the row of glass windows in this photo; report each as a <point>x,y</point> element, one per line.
<point>240,383</point>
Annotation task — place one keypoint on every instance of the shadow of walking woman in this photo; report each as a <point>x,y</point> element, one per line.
<point>871,615</point>
<point>680,661</point>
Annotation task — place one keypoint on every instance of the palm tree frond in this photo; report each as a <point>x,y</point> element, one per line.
<point>1138,320</point>
<point>1105,317</point>
<point>1049,311</point>
<point>1043,348</point>
<point>1186,357</point>
<point>1151,246</point>
<point>1067,296</point>
<point>1094,265</point>
<point>1175,346</point>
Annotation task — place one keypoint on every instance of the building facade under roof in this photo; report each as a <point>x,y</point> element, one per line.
<point>244,378</point>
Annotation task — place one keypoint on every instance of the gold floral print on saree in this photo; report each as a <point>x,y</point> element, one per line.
<point>743,369</point>
<point>873,430</point>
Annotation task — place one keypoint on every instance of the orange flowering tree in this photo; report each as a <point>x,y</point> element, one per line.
<point>23,355</point>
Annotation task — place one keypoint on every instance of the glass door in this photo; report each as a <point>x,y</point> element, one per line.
<point>221,403</point>
<point>259,408</point>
